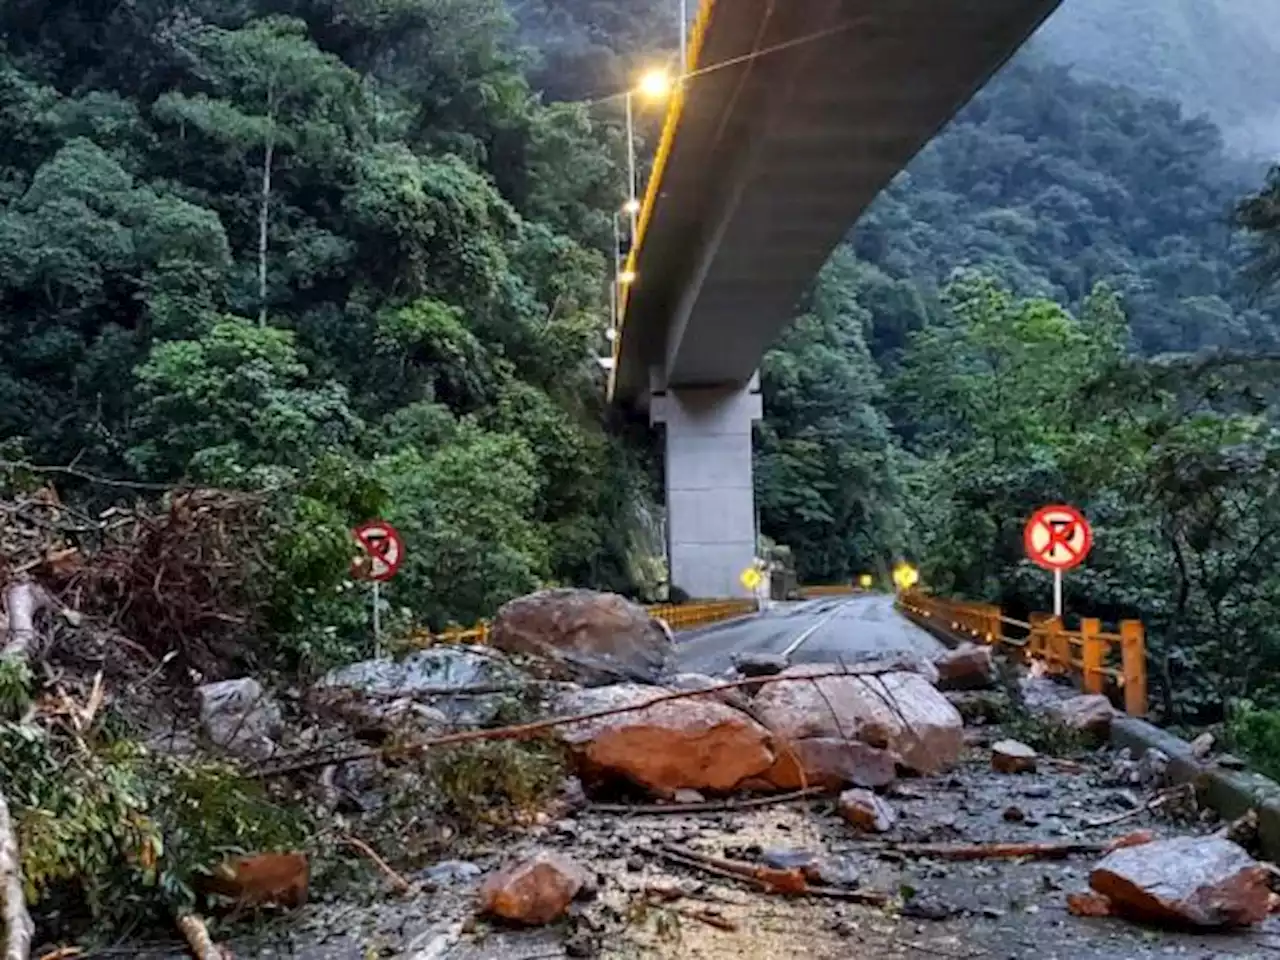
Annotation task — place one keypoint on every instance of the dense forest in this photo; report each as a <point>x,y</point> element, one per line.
<point>1219,58</point>
<point>355,255</point>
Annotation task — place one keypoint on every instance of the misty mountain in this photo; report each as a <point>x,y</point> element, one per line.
<point>1215,57</point>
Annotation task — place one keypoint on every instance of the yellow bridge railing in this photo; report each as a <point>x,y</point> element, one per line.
<point>678,616</point>
<point>1099,660</point>
<point>830,590</point>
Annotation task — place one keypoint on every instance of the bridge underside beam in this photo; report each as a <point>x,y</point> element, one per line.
<point>711,536</point>
<point>798,115</point>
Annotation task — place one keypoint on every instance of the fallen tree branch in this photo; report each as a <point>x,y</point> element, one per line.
<point>767,879</point>
<point>1014,851</point>
<point>704,915</point>
<point>18,928</point>
<point>197,936</point>
<point>400,884</point>
<point>708,806</point>
<point>1157,801</point>
<point>525,731</point>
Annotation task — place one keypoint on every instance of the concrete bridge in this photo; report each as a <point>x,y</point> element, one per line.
<point>793,117</point>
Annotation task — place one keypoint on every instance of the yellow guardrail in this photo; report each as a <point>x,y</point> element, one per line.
<point>678,616</point>
<point>830,590</point>
<point>1096,658</point>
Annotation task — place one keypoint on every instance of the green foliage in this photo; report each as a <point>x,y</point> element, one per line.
<point>495,779</point>
<point>293,245</point>
<point>1255,733</point>
<point>122,832</point>
<point>15,686</point>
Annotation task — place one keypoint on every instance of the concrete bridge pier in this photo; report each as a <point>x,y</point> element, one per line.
<point>711,517</point>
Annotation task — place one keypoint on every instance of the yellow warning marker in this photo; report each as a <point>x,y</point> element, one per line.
<point>751,578</point>
<point>905,576</point>
<point>865,581</point>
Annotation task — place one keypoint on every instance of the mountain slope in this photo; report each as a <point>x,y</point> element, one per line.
<point>1217,57</point>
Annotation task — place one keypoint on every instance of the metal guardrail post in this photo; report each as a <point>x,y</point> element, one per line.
<point>1133,651</point>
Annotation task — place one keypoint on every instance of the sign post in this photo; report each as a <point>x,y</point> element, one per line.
<point>751,579</point>
<point>1057,538</point>
<point>384,550</point>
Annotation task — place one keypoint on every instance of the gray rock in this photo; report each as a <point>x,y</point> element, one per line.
<point>452,873</point>
<point>425,692</point>
<point>760,664</point>
<point>584,636</point>
<point>239,716</point>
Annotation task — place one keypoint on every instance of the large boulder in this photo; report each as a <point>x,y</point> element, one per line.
<point>1089,713</point>
<point>825,762</point>
<point>696,743</point>
<point>424,692</point>
<point>584,636</point>
<point>967,667</point>
<point>240,716</point>
<point>898,712</point>
<point>1201,881</point>
<point>534,891</point>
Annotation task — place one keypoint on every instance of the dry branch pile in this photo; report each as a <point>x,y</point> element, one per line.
<point>172,577</point>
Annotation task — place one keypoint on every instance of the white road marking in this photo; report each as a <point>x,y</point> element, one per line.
<point>795,644</point>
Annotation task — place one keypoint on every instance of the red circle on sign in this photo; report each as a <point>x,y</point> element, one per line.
<point>381,541</point>
<point>1057,537</point>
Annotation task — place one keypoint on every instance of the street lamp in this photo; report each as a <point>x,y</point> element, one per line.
<point>655,85</point>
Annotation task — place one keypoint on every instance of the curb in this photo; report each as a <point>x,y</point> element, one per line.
<point>1232,793</point>
<point>944,635</point>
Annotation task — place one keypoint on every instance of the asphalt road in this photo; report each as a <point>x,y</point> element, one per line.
<point>812,631</point>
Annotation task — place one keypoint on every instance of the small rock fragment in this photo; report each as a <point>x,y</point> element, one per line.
<point>1202,881</point>
<point>760,664</point>
<point>1088,905</point>
<point>866,811</point>
<point>833,872</point>
<point>259,880</point>
<point>1153,769</point>
<point>928,908</point>
<point>240,716</point>
<point>1010,756</point>
<point>1202,745</point>
<point>1014,814</point>
<point>452,872</point>
<point>785,858</point>
<point>535,891</point>
<point>686,795</point>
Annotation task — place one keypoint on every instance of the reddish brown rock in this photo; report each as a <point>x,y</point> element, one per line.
<point>260,880</point>
<point>692,744</point>
<point>1010,756</point>
<point>583,635</point>
<point>825,762</point>
<point>534,891</point>
<point>968,667</point>
<point>898,712</point>
<point>1088,905</point>
<point>1201,881</point>
<point>866,811</point>
<point>1089,713</point>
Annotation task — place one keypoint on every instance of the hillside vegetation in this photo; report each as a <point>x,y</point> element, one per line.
<point>1220,58</point>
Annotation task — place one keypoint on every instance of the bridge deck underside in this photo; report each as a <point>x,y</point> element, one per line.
<point>777,153</point>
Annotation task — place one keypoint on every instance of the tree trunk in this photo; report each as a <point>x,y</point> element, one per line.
<point>18,928</point>
<point>264,207</point>
<point>22,601</point>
